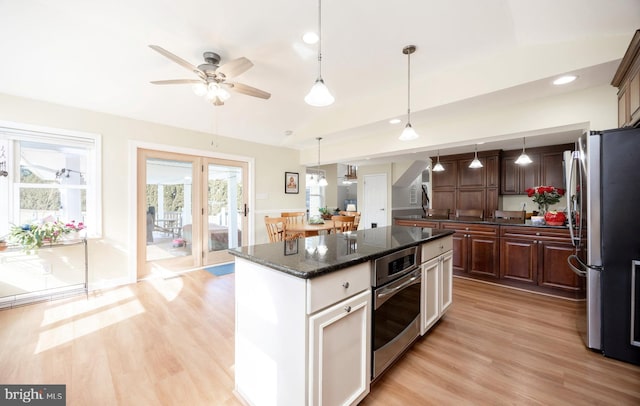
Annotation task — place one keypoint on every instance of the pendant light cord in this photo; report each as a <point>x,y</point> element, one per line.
<point>409,88</point>
<point>318,167</point>
<point>319,39</point>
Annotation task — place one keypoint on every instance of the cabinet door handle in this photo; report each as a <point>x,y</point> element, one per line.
<point>347,309</point>
<point>537,233</point>
<point>535,242</point>
<point>345,285</point>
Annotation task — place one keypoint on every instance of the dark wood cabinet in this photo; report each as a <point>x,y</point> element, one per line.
<point>627,80</point>
<point>553,271</point>
<point>461,187</point>
<point>546,169</point>
<point>418,223</point>
<point>538,256</point>
<point>532,258</point>
<point>516,179</point>
<point>519,260</point>
<point>475,248</point>
<point>551,167</point>
<point>447,179</point>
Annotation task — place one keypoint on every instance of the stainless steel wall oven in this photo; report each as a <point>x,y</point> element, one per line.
<point>397,282</point>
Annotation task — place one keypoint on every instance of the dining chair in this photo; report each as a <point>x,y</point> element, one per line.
<point>470,214</point>
<point>355,214</point>
<point>441,214</point>
<point>342,224</point>
<point>276,228</point>
<point>294,217</point>
<point>510,216</point>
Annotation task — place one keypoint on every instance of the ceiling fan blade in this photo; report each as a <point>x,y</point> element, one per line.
<point>176,81</point>
<point>248,90</point>
<point>177,60</point>
<point>235,67</point>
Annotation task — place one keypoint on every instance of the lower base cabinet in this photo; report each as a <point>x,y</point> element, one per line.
<point>437,281</point>
<point>302,341</point>
<point>339,352</point>
<point>537,256</point>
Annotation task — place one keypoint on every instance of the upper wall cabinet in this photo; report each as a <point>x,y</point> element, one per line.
<point>627,80</point>
<point>546,169</point>
<point>461,187</point>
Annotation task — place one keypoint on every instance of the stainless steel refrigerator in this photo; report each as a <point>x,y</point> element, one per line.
<point>603,198</point>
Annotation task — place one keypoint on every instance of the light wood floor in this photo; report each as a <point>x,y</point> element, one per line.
<point>170,342</point>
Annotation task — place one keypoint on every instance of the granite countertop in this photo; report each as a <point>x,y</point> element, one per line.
<point>527,223</point>
<point>314,256</point>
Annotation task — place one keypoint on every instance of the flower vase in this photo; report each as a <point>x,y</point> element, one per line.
<point>543,209</point>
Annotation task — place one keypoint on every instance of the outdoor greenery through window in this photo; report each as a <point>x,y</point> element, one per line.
<point>50,176</point>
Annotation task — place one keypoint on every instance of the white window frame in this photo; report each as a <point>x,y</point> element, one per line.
<point>9,186</point>
<point>314,190</point>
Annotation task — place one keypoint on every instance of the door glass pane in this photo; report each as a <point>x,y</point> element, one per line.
<point>225,207</point>
<point>169,218</point>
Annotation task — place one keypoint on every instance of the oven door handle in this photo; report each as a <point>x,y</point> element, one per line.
<point>384,292</point>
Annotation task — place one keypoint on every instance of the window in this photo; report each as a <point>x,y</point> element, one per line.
<point>49,175</point>
<point>314,193</point>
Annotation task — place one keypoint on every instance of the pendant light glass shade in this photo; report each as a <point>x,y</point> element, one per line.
<point>319,95</point>
<point>523,159</point>
<point>408,133</point>
<point>438,166</point>
<point>322,181</point>
<point>476,162</point>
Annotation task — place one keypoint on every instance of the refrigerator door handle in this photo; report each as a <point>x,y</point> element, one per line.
<point>580,272</point>
<point>635,337</point>
<point>573,186</point>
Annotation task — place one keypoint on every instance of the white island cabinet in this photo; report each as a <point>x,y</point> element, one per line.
<point>437,281</point>
<point>302,341</point>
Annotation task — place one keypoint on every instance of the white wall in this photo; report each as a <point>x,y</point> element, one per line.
<point>593,108</point>
<point>109,257</point>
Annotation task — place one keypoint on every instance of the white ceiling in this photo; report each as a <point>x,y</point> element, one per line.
<point>95,55</point>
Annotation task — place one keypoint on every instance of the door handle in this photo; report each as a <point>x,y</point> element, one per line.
<point>246,210</point>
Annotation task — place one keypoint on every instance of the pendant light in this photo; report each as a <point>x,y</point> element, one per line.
<point>408,133</point>
<point>523,159</point>
<point>438,166</point>
<point>476,162</point>
<point>322,181</point>
<point>319,95</point>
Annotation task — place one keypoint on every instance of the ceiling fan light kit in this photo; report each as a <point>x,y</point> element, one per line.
<point>408,133</point>
<point>319,95</point>
<point>212,77</point>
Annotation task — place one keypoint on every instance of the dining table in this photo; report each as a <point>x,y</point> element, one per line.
<point>309,229</point>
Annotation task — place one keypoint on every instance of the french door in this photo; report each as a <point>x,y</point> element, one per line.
<point>190,210</point>
<point>225,208</point>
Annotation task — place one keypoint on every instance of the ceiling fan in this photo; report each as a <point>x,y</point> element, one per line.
<point>212,77</point>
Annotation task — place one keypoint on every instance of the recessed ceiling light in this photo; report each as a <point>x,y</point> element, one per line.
<point>563,80</point>
<point>395,121</point>
<point>310,37</point>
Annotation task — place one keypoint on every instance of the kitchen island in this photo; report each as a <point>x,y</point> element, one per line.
<point>304,312</point>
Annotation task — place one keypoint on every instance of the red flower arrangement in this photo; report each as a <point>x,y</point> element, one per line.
<point>543,196</point>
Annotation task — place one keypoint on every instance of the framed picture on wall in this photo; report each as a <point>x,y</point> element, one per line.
<point>291,182</point>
